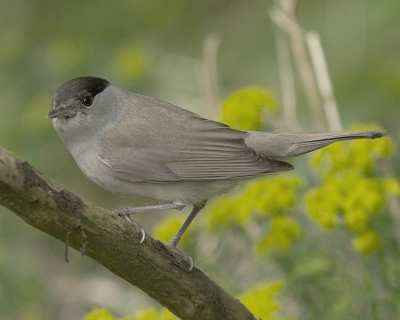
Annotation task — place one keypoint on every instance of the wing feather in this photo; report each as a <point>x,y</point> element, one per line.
<point>165,143</point>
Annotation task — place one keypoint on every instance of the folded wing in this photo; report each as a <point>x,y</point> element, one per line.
<point>167,143</point>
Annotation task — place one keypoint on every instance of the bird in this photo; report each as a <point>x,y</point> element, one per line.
<point>143,148</point>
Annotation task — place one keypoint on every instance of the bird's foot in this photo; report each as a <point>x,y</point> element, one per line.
<point>182,254</point>
<point>125,215</point>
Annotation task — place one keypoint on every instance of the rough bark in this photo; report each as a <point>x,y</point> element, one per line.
<point>114,243</point>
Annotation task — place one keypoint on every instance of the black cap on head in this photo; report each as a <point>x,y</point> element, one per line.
<point>80,87</point>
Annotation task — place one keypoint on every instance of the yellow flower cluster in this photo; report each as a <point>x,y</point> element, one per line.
<point>272,196</point>
<point>243,109</point>
<point>261,301</point>
<point>151,313</point>
<point>283,232</point>
<point>350,194</point>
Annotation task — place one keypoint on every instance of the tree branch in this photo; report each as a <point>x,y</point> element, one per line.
<point>113,242</point>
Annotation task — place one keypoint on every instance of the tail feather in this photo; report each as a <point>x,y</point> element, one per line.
<point>286,145</point>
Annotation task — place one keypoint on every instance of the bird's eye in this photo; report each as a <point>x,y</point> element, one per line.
<point>87,101</point>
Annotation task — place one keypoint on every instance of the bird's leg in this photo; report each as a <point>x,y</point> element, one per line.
<point>126,212</point>
<point>175,239</point>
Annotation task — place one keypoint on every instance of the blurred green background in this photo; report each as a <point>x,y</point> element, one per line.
<point>156,48</point>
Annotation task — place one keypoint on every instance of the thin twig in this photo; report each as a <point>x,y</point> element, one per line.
<point>323,81</point>
<point>287,80</point>
<point>210,74</point>
<point>286,18</point>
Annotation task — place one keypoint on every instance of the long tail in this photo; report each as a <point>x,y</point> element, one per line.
<point>286,145</point>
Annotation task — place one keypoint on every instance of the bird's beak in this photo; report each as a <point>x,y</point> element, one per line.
<point>57,113</point>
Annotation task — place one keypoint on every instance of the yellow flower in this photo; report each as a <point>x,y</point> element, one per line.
<point>243,108</point>
<point>357,220</point>
<point>260,300</point>
<point>367,242</point>
<point>284,231</point>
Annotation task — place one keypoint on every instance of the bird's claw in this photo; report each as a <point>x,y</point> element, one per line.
<point>185,257</point>
<point>138,229</point>
<point>137,226</point>
<point>143,235</point>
